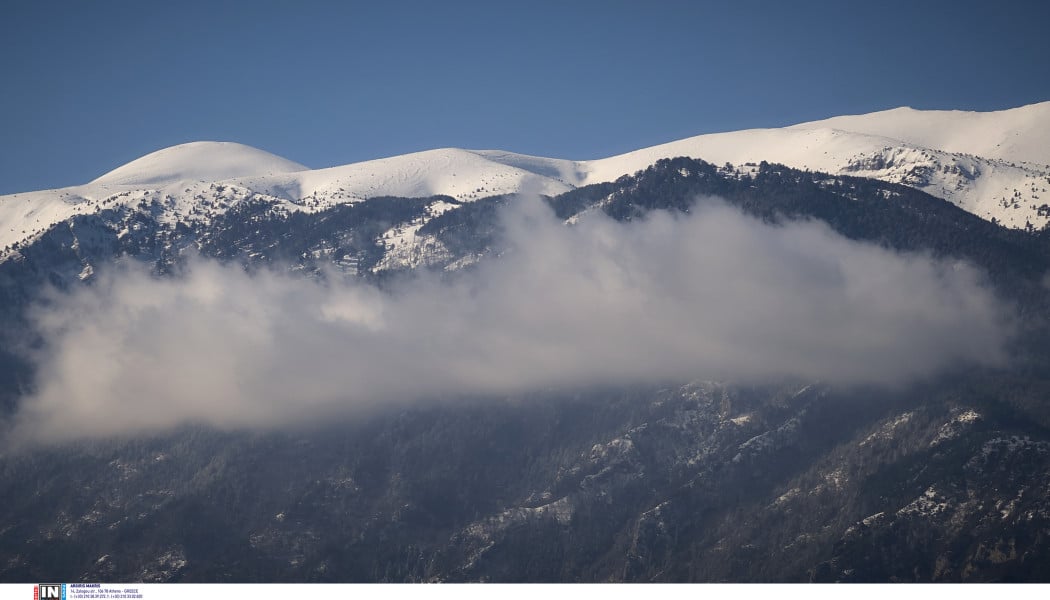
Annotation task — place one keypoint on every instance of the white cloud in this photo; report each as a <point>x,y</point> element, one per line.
<point>712,295</point>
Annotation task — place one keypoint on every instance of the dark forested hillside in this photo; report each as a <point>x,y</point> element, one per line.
<point>787,480</point>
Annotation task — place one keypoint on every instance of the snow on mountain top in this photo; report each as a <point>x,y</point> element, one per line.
<point>966,158</point>
<point>463,174</point>
<point>199,161</point>
<point>1013,135</point>
<point>973,160</point>
<point>566,171</point>
<point>817,150</point>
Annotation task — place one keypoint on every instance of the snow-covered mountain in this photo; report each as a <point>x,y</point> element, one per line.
<point>995,165</point>
<point>674,481</point>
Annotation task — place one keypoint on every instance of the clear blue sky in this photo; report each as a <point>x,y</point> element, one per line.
<point>88,86</point>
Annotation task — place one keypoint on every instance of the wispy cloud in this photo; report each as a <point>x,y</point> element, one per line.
<point>712,295</point>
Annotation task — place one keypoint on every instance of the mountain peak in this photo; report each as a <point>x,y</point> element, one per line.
<point>199,161</point>
<point>1012,135</point>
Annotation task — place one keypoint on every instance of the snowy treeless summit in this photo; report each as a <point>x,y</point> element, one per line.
<point>995,165</point>
<point>199,161</point>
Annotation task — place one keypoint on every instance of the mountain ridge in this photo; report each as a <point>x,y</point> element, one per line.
<point>189,179</point>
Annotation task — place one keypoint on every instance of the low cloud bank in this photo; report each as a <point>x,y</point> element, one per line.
<point>712,295</point>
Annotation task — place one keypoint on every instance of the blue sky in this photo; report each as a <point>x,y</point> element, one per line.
<point>88,86</point>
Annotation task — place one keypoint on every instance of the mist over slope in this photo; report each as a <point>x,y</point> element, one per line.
<point>711,295</point>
